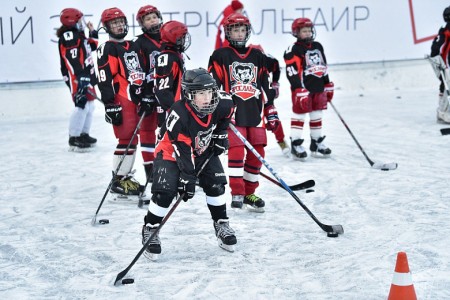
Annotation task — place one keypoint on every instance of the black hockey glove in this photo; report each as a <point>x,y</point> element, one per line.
<point>219,143</point>
<point>186,185</point>
<point>80,96</point>
<point>113,114</point>
<point>147,105</point>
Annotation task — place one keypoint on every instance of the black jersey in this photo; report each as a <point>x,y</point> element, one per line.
<point>306,66</point>
<point>244,76</point>
<point>151,47</point>
<point>441,44</point>
<point>168,72</point>
<point>76,55</point>
<point>185,136</point>
<point>120,71</point>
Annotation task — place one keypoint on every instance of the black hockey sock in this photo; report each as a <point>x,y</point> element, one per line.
<point>218,212</point>
<point>152,219</point>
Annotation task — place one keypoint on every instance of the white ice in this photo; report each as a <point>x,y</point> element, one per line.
<point>48,196</point>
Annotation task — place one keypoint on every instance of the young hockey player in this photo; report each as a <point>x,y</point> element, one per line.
<point>441,46</point>
<point>234,7</point>
<point>195,129</point>
<point>77,68</point>
<point>169,69</point>
<point>241,71</point>
<point>150,20</point>
<point>121,83</point>
<point>273,67</point>
<point>306,69</point>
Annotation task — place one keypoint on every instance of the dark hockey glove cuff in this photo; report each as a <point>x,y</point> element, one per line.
<point>220,143</point>
<point>147,105</point>
<point>113,114</point>
<point>186,185</point>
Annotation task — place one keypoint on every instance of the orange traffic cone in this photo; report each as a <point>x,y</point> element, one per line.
<point>402,287</point>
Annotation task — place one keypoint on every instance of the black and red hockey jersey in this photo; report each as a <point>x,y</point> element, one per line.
<point>168,73</point>
<point>244,76</point>
<point>75,55</point>
<point>151,47</point>
<point>441,44</point>
<point>120,71</point>
<point>306,66</point>
<point>186,136</point>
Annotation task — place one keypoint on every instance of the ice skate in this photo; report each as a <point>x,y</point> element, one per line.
<point>237,201</point>
<point>284,148</point>
<point>254,203</point>
<point>318,148</point>
<point>85,137</point>
<point>225,235</point>
<point>126,189</point>
<point>153,249</point>
<point>297,150</point>
<point>77,144</point>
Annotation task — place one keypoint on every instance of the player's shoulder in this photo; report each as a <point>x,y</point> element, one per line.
<point>225,101</point>
<point>70,37</point>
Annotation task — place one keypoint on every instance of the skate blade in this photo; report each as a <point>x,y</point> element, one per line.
<point>151,256</point>
<point>229,248</point>
<point>125,199</point>
<point>303,159</point>
<point>319,155</point>
<point>255,209</point>
<point>78,150</point>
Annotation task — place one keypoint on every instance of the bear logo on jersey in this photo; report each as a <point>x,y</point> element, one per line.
<point>315,64</point>
<point>202,140</point>
<point>243,80</point>
<point>136,76</point>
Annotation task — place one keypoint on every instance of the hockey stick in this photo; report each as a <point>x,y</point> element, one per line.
<point>94,219</point>
<point>445,131</point>
<point>164,220</point>
<point>300,186</point>
<point>142,202</point>
<point>334,229</point>
<point>375,165</point>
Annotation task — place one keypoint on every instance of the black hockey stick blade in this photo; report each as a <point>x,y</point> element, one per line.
<point>384,166</point>
<point>297,187</point>
<point>303,185</point>
<point>445,131</point>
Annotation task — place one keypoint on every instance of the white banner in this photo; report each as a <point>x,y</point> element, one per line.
<point>351,31</point>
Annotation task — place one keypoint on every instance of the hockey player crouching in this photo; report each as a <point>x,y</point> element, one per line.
<point>195,128</point>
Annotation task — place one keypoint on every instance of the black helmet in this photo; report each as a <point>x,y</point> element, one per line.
<point>446,14</point>
<point>199,80</point>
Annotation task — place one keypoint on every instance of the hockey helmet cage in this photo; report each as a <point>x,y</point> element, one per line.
<point>199,80</point>
<point>111,14</point>
<point>176,33</point>
<point>145,10</point>
<point>237,20</point>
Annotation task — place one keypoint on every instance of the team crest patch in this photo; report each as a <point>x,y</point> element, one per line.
<point>243,80</point>
<point>315,64</point>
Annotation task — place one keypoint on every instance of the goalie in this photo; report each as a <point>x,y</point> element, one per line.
<point>440,52</point>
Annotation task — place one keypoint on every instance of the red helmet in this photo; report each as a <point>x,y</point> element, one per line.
<point>237,20</point>
<point>112,14</point>
<point>301,23</point>
<point>176,33</point>
<point>70,16</point>
<point>145,10</point>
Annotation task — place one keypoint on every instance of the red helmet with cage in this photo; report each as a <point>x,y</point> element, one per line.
<point>176,33</point>
<point>234,21</point>
<point>70,16</point>
<point>145,10</point>
<point>111,14</point>
<point>302,23</point>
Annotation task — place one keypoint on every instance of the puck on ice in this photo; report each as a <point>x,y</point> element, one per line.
<point>309,191</point>
<point>127,281</point>
<point>104,221</point>
<point>384,169</point>
<point>332,234</point>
